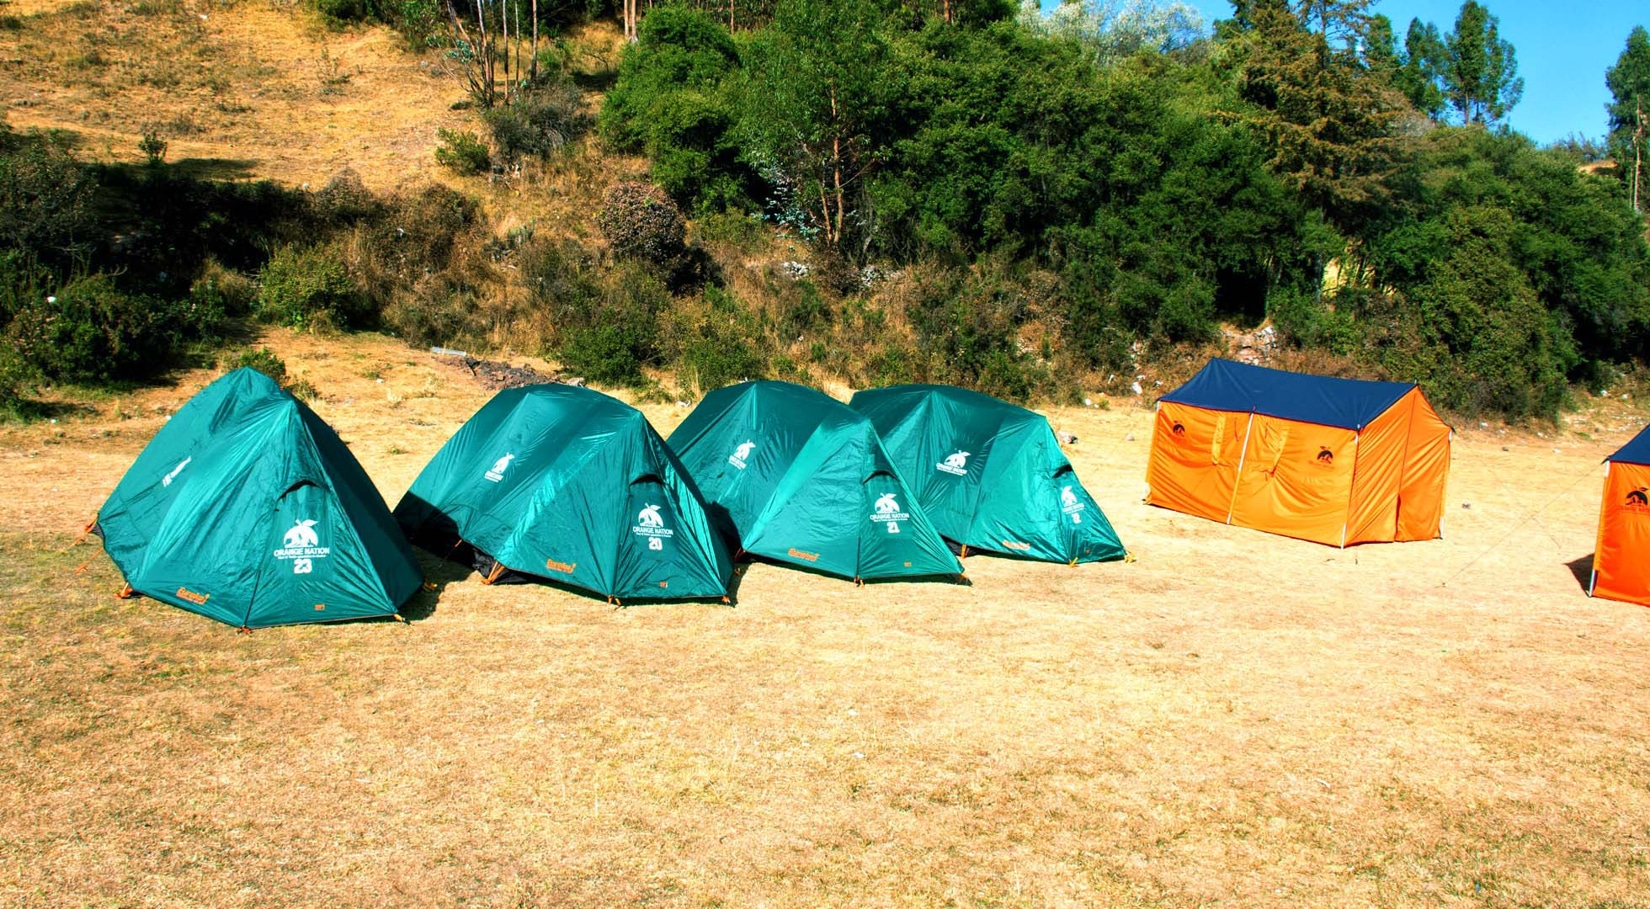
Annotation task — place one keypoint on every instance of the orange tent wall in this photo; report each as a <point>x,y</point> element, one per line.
<point>1296,479</point>
<point>1194,460</point>
<point>1304,480</point>
<point>1426,472</point>
<point>1403,465</point>
<point>1621,560</point>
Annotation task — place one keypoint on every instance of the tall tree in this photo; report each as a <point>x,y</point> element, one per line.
<point>1327,116</point>
<point>1420,77</point>
<point>819,84</point>
<point>1629,82</point>
<point>1481,79</point>
<point>1380,48</point>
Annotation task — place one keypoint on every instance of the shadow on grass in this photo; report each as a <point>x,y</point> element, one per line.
<point>212,168</point>
<point>746,559</point>
<point>28,410</point>
<point>1582,570</point>
<point>601,80</point>
<point>438,573</point>
<point>455,559</point>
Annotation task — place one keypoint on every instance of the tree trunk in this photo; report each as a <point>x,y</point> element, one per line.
<point>485,53</point>
<point>836,170</point>
<point>534,65</point>
<point>1638,148</point>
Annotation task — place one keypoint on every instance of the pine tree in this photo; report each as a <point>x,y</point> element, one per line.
<point>1328,117</point>
<point>1481,79</point>
<point>1422,71</point>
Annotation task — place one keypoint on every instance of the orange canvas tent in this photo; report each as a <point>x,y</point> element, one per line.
<point>1336,461</point>
<point>1621,558</point>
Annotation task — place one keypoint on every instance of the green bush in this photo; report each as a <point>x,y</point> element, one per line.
<point>228,293</point>
<point>267,362</point>
<point>14,375</point>
<point>1308,321</point>
<point>461,152</point>
<point>605,323</point>
<point>538,123</point>
<point>153,147</point>
<point>610,353</point>
<point>309,287</point>
<point>711,363</point>
<point>262,359</point>
<point>744,232</point>
<point>91,331</point>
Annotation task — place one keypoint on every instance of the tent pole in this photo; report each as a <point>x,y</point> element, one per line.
<point>1352,493</point>
<point>1598,538</point>
<point>1232,506</point>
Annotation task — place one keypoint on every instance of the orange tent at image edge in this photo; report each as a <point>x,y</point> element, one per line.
<point>1621,558</point>
<point>1334,461</point>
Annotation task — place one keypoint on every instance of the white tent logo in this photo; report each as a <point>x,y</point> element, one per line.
<point>301,534</point>
<point>1070,505</point>
<point>651,524</point>
<point>954,464</point>
<point>888,512</point>
<point>301,546</point>
<point>167,480</point>
<point>499,466</point>
<point>741,454</point>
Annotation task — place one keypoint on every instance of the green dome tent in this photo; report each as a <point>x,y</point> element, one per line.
<point>246,508</point>
<point>802,479</point>
<point>570,486</point>
<point>990,475</point>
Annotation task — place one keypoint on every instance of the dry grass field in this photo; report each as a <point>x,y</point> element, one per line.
<point>1235,719</point>
<point>244,87</point>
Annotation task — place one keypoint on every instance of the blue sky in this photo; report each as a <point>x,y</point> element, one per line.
<point>1563,49</point>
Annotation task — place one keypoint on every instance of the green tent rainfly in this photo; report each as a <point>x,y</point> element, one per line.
<point>246,508</point>
<point>571,486</point>
<point>801,478</point>
<point>990,475</point>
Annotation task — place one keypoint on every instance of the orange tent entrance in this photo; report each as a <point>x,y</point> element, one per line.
<point>1335,461</point>
<point>1621,559</point>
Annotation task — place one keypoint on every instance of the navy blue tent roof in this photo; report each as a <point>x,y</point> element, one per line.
<point>1636,451</point>
<point>1346,403</point>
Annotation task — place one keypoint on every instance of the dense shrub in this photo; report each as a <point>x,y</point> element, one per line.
<point>672,103</point>
<point>461,152</point>
<point>969,325</point>
<point>220,290</point>
<point>711,340</point>
<point>642,222</point>
<point>308,287</point>
<point>538,122</point>
<point>90,331</point>
<point>262,359</point>
<point>47,199</point>
<point>605,321</point>
<point>418,21</point>
<point>14,375</point>
<point>1314,320</point>
<point>267,362</point>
